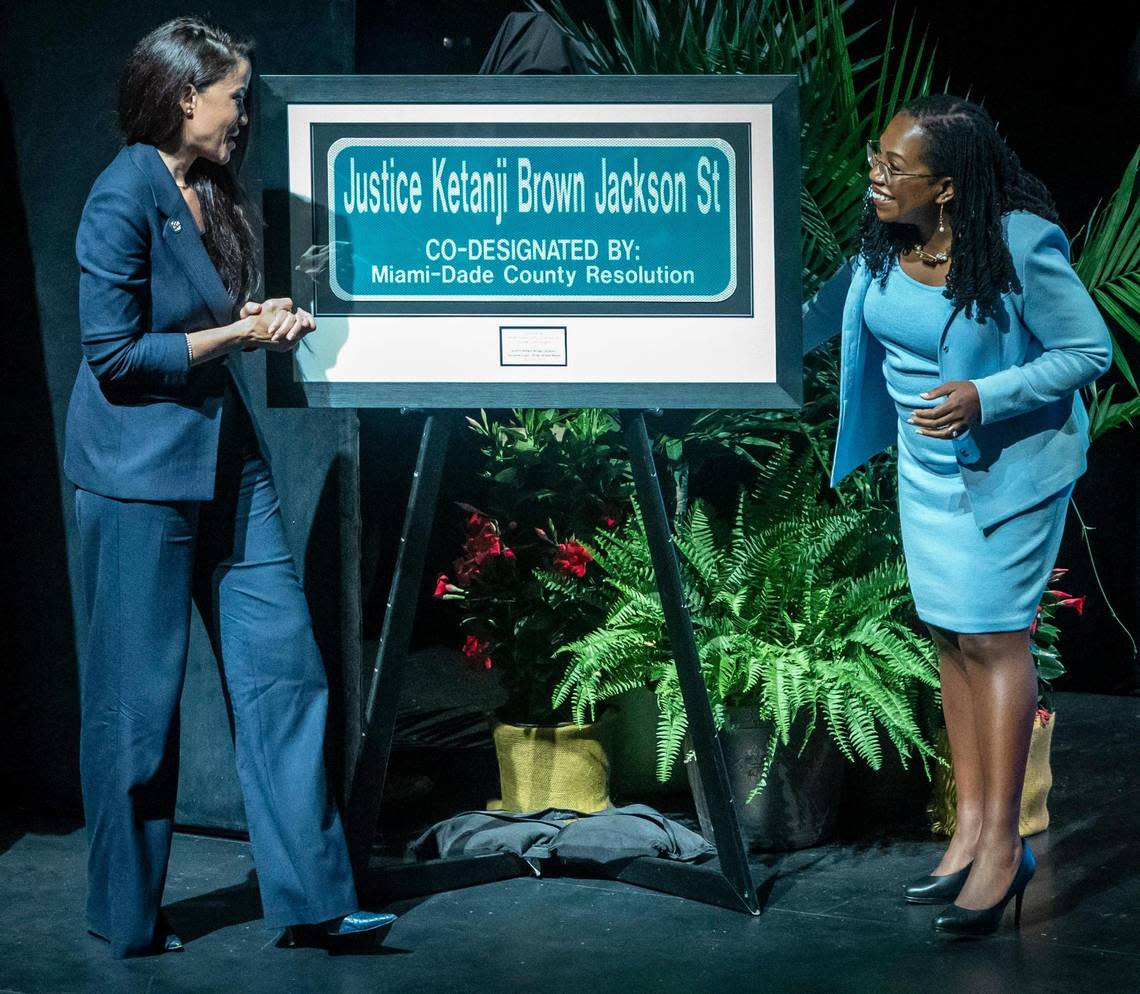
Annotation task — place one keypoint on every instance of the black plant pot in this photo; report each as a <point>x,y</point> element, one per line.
<point>798,807</point>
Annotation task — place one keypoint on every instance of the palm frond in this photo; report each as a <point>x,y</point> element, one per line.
<point>1109,262</point>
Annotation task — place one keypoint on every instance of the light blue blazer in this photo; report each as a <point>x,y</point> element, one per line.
<point>1027,363</point>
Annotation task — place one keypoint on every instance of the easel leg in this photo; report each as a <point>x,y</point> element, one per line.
<point>363,808</point>
<point>706,744</point>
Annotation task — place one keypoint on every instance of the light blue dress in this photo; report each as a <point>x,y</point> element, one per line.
<point>961,578</point>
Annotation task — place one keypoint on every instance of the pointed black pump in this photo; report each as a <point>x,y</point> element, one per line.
<point>985,921</point>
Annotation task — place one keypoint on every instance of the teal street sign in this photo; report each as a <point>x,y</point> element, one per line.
<point>603,218</point>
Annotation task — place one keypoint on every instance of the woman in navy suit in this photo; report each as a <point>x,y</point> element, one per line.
<point>966,336</point>
<point>175,502</point>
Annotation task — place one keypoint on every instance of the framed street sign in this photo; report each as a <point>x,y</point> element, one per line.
<point>554,241</point>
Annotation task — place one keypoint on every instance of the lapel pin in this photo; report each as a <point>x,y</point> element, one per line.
<point>176,225</point>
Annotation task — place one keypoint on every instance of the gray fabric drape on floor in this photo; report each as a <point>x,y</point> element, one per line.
<point>574,838</point>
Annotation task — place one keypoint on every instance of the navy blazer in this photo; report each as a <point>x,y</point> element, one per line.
<point>142,424</point>
<point>1027,363</point>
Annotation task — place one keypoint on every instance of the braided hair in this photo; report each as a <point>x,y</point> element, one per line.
<point>960,140</point>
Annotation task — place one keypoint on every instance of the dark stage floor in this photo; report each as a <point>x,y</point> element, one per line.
<point>834,919</point>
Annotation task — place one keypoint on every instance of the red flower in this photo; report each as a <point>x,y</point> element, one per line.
<point>444,589</point>
<point>610,513</point>
<point>571,558</point>
<point>476,652</point>
<point>1068,600</point>
<point>466,570</point>
<point>483,541</point>
<point>1044,716</point>
<point>481,531</point>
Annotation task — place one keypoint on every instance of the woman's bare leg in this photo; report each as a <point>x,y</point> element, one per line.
<point>957,707</point>
<point>1003,681</point>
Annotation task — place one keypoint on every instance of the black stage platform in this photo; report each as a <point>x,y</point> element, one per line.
<point>834,918</point>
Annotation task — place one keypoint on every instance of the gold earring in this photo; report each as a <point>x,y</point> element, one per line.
<point>941,227</point>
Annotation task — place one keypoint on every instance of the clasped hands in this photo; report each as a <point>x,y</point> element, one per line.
<point>274,325</point>
<point>961,409</point>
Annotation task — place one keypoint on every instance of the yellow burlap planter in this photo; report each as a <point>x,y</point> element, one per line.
<point>553,766</point>
<point>1038,779</point>
<point>943,806</point>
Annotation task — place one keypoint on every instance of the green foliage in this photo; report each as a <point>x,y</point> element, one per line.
<point>1104,415</point>
<point>795,605</point>
<point>1109,262</point>
<point>1044,635</point>
<point>746,436</point>
<point>523,577</point>
<point>549,465</point>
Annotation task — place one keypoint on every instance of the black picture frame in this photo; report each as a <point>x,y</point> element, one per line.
<point>282,244</point>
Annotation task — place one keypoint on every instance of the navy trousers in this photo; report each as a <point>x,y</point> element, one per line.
<point>144,562</point>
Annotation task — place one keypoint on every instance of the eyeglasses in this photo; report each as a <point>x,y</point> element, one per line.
<point>875,158</point>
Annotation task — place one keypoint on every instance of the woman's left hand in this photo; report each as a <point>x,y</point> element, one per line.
<point>960,410</point>
<point>291,326</point>
<point>285,325</point>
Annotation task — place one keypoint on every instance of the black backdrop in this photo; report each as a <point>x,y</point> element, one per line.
<point>1064,95</point>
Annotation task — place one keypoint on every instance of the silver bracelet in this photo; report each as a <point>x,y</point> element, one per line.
<point>189,350</point>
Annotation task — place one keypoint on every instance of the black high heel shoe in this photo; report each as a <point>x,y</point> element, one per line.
<point>357,927</point>
<point>985,921</point>
<point>938,890</point>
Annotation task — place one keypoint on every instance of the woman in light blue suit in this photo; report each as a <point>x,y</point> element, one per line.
<point>175,502</point>
<point>966,335</point>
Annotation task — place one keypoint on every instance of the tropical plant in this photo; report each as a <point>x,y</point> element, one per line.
<point>797,606</point>
<point>1108,262</point>
<point>1043,637</point>
<point>522,576</point>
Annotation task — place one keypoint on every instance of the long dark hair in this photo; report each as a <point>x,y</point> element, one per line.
<point>182,52</point>
<point>960,141</point>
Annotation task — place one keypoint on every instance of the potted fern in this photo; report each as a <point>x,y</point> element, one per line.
<point>800,612</point>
